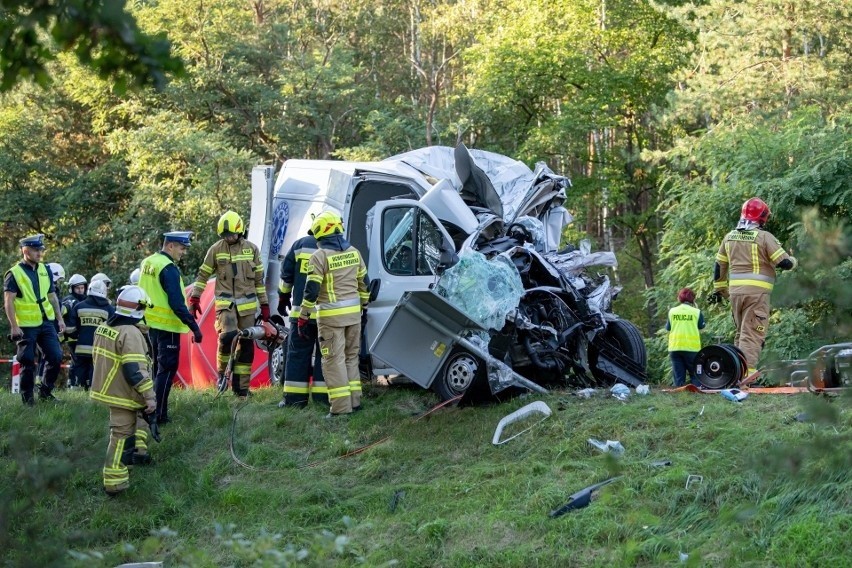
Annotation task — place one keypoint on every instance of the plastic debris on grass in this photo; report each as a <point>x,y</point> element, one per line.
<point>537,407</point>
<point>613,447</point>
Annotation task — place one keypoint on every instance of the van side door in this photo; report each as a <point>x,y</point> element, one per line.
<point>406,247</point>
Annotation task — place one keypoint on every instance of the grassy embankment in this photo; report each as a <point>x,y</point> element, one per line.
<point>775,491</point>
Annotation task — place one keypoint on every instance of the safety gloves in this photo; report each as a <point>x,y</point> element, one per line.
<point>196,336</point>
<point>264,312</point>
<point>284,303</point>
<point>715,298</point>
<point>302,329</point>
<point>194,306</point>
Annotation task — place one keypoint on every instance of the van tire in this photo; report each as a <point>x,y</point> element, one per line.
<point>276,363</point>
<point>461,370</point>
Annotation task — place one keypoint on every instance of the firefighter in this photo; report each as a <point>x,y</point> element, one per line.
<point>32,308</point>
<point>337,288</point>
<point>301,349</point>
<point>76,293</point>
<point>122,381</point>
<point>168,317</point>
<point>240,292</point>
<point>105,278</point>
<point>745,273</point>
<point>684,340</point>
<point>83,320</point>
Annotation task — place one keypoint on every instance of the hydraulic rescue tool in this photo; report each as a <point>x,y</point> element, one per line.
<point>267,334</point>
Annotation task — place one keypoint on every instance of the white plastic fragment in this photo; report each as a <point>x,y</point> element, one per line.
<point>643,389</point>
<point>610,446</point>
<point>585,393</point>
<point>532,408</point>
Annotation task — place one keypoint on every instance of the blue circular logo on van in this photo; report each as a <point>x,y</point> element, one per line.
<point>280,220</point>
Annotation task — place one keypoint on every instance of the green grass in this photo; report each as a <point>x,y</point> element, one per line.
<point>775,492</point>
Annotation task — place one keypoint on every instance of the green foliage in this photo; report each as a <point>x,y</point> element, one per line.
<point>102,35</point>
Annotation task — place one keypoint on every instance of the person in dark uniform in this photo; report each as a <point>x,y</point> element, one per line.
<point>301,349</point>
<point>32,307</point>
<point>76,294</point>
<point>168,317</point>
<point>83,320</point>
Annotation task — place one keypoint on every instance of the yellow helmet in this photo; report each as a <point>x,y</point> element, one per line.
<point>230,222</point>
<point>326,223</point>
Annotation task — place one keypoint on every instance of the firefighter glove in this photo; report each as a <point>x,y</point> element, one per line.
<point>196,336</point>
<point>264,312</point>
<point>195,306</point>
<point>715,298</point>
<point>284,303</point>
<point>151,419</point>
<point>302,328</point>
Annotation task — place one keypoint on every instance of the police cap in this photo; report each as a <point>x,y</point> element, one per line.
<point>33,241</point>
<point>181,237</point>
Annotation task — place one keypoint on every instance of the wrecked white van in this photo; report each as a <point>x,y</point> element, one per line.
<point>438,228</point>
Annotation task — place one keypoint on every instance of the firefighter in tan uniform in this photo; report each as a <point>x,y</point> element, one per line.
<point>122,381</point>
<point>240,291</point>
<point>336,286</point>
<point>745,273</point>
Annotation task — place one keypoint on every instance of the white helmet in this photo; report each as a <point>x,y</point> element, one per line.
<point>132,302</point>
<point>102,276</point>
<point>134,276</point>
<point>56,270</point>
<point>76,280</point>
<point>98,288</point>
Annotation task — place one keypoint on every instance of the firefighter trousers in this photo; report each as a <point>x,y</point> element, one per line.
<point>751,318</point>
<point>303,375</point>
<point>128,436</point>
<point>228,323</point>
<point>339,347</point>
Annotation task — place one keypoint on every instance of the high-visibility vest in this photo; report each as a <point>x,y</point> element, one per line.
<point>683,335</point>
<point>161,315</point>
<point>27,310</point>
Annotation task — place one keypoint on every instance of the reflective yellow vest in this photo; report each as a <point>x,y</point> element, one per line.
<point>683,321</point>
<point>161,315</point>
<point>27,311</point>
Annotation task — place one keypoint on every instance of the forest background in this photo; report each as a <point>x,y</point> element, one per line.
<point>118,125</point>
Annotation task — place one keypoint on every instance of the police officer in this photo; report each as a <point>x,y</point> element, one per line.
<point>76,293</point>
<point>85,317</point>
<point>168,317</point>
<point>33,310</point>
<point>745,273</point>
<point>684,339</point>
<point>301,349</point>
<point>337,287</point>
<point>240,292</point>
<point>122,381</point>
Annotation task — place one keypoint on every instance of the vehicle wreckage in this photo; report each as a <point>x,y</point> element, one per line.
<point>468,283</point>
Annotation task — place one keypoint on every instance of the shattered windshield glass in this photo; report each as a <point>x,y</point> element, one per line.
<point>487,291</point>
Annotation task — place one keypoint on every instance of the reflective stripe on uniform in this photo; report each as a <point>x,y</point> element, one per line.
<point>338,392</point>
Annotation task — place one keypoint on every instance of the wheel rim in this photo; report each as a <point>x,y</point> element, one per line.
<point>276,365</point>
<point>460,373</point>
